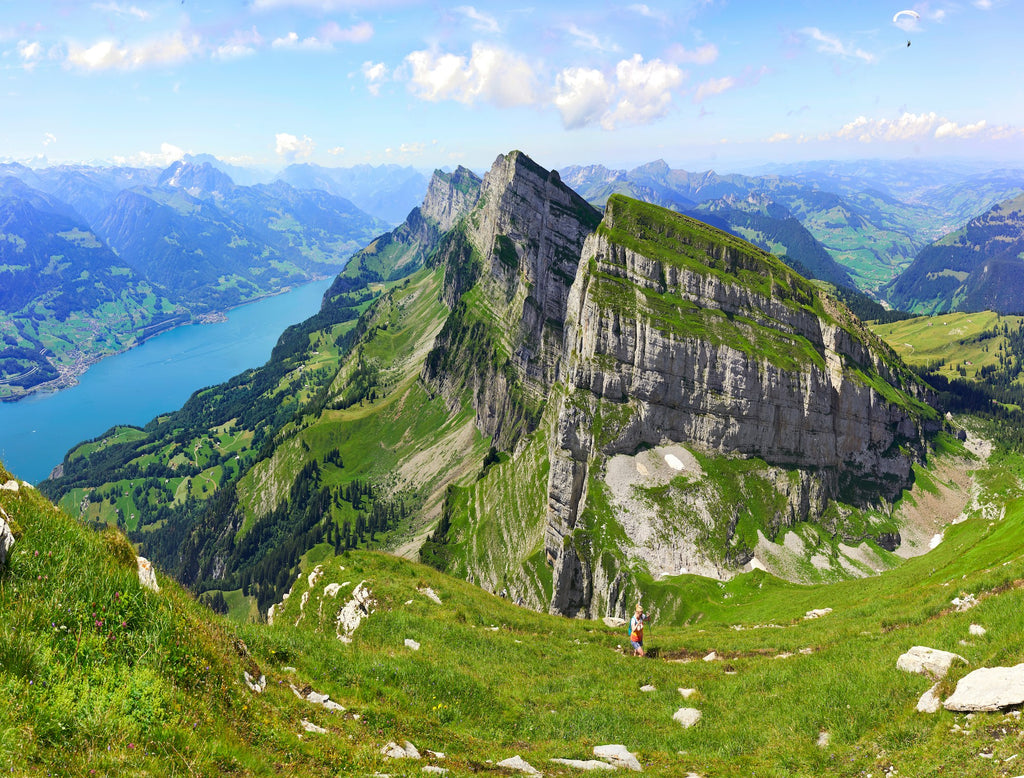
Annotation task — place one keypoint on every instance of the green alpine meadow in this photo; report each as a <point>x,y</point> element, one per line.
<point>412,540</point>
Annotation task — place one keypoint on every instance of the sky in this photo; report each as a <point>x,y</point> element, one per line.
<point>702,84</point>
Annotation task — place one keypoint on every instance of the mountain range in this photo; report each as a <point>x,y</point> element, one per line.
<point>639,394</point>
<point>976,268</point>
<point>96,260</point>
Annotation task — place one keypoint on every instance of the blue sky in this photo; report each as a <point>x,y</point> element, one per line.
<point>707,83</point>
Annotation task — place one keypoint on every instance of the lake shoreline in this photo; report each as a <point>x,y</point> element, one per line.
<point>69,375</point>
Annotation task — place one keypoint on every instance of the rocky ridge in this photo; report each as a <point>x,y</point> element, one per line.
<point>680,332</point>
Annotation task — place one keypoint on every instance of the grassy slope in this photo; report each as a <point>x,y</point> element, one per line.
<point>953,339</point>
<point>164,693</point>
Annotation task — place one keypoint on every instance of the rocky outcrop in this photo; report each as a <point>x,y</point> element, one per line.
<point>648,329</point>
<point>450,196</point>
<point>665,322</point>
<point>519,249</point>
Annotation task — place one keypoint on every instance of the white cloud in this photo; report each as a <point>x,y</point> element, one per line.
<point>713,86</point>
<point>326,37</point>
<point>910,126</point>
<point>582,96</point>
<point>779,137</point>
<point>829,44</point>
<point>984,5</point>
<point>639,93</point>
<point>48,138</point>
<point>336,151</point>
<point>291,147</point>
<point>168,153</point>
<point>240,44</point>
<point>29,53</point>
<point>287,42</point>
<point>646,91</point>
<point>954,130</point>
<point>107,55</point>
<point>122,10</point>
<point>481,21</point>
<point>375,74</point>
<point>491,74</point>
<point>588,40</point>
<point>702,55</point>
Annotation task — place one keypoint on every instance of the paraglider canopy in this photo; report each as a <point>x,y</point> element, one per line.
<point>914,15</point>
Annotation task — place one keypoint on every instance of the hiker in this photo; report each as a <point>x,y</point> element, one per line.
<point>636,630</point>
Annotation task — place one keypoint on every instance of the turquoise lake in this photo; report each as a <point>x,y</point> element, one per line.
<point>138,385</point>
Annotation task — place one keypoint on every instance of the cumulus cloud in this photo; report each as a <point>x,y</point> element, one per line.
<point>909,126</point>
<point>645,89</point>
<point>583,96</point>
<point>702,55</point>
<point>639,93</point>
<point>490,74</point>
<point>481,21</point>
<point>375,74</point>
<point>48,138</point>
<point>292,148</point>
<point>336,151</point>
<point>109,55</point>
<point>830,44</point>
<point>779,137</point>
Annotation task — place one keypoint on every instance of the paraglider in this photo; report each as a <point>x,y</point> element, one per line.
<point>906,20</point>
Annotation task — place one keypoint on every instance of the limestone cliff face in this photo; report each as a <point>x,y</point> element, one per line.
<point>518,250</point>
<point>696,357</point>
<point>450,196</point>
<point>648,329</point>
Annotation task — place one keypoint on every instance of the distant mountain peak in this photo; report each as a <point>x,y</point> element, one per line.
<point>201,180</point>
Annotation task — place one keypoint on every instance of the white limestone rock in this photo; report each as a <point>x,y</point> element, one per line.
<point>518,764</point>
<point>11,486</point>
<point>977,630</point>
<point>687,717</point>
<point>147,576</point>
<point>430,594</point>
<point>927,661</point>
<point>256,685</point>
<point>410,643</point>
<point>405,751</point>
<point>6,539</point>
<point>988,688</point>
<point>309,726</point>
<point>353,612</point>
<point>614,622</point>
<point>618,755</point>
<point>648,688</point>
<point>929,702</point>
<point>817,613</point>
<point>687,693</point>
